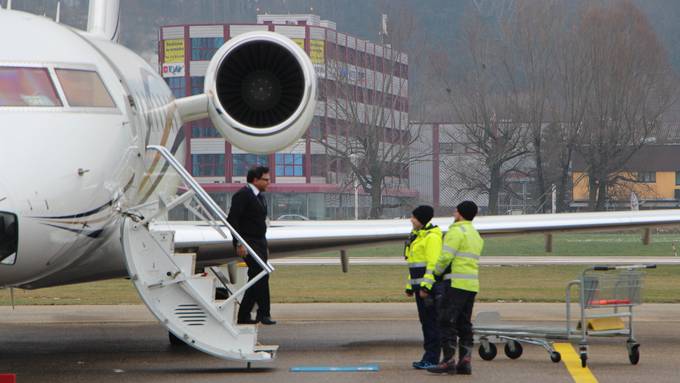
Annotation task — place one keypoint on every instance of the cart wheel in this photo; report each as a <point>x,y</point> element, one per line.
<point>555,356</point>
<point>513,349</point>
<point>634,354</point>
<point>584,359</point>
<point>488,354</point>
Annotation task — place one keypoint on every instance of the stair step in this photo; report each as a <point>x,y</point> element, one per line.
<point>186,262</point>
<point>204,285</point>
<point>184,302</point>
<point>266,349</point>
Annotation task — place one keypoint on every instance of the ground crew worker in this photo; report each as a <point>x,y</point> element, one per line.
<point>421,252</point>
<point>461,251</point>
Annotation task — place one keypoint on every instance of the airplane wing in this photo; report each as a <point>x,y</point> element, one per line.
<point>296,238</point>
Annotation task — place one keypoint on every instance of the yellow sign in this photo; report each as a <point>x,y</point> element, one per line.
<point>300,43</point>
<point>317,51</point>
<point>174,51</point>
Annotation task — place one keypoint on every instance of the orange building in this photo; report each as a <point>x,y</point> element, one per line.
<point>653,174</point>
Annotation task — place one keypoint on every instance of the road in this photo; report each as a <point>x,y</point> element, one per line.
<point>125,343</point>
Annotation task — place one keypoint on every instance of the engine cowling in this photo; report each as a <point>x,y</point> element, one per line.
<point>262,91</point>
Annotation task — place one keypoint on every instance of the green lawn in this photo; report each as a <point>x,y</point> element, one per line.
<point>386,283</point>
<point>368,284</point>
<point>572,244</point>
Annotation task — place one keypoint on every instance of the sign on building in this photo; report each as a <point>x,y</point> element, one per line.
<point>173,70</point>
<point>317,51</point>
<point>174,51</point>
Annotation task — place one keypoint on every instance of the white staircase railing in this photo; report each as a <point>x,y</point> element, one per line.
<point>215,214</point>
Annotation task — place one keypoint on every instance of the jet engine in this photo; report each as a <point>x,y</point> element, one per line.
<point>262,91</point>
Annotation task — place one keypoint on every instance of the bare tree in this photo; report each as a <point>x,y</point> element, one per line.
<point>531,30</point>
<point>371,138</point>
<point>482,99</point>
<point>630,88</point>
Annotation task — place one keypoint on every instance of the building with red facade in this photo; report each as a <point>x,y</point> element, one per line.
<point>309,178</point>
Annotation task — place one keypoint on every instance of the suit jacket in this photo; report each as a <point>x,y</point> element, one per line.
<point>249,217</point>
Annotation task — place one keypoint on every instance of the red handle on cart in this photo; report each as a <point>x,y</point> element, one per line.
<point>604,302</point>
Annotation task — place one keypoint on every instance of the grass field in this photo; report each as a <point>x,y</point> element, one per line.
<point>386,283</point>
<point>368,284</point>
<point>572,244</point>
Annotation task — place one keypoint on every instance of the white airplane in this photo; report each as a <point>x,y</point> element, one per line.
<point>90,163</point>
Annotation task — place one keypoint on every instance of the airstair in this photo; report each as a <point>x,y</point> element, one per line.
<point>183,300</point>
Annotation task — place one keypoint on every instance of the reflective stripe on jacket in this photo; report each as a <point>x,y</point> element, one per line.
<point>461,251</point>
<point>421,253</point>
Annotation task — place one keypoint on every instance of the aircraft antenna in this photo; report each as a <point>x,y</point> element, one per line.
<point>57,18</point>
<point>9,4</point>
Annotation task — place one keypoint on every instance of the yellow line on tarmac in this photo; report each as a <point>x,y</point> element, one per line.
<point>573,363</point>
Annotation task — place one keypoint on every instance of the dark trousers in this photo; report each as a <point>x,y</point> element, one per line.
<point>259,292</point>
<point>427,313</point>
<point>455,321</point>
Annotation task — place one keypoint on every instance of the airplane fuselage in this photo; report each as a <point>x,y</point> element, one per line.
<point>72,159</point>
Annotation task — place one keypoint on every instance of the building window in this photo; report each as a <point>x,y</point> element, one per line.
<point>290,164</point>
<point>677,178</point>
<point>244,162</point>
<point>207,165</point>
<point>677,194</point>
<point>205,47</point>
<point>178,86</point>
<point>646,177</point>
<point>203,129</point>
<point>319,166</point>
<point>197,85</point>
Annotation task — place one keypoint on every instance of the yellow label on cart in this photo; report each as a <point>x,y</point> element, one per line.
<point>605,324</point>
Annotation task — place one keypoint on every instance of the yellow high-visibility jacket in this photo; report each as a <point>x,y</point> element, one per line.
<point>421,252</point>
<point>461,251</point>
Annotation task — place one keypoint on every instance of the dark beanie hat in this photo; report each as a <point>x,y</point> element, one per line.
<point>423,213</point>
<point>467,209</point>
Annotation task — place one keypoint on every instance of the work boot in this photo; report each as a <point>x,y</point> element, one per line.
<point>464,367</point>
<point>447,367</point>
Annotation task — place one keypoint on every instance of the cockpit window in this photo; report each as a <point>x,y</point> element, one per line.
<point>27,87</point>
<point>84,88</point>
<point>9,238</point>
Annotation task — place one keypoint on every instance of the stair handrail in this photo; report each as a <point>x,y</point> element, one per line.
<point>205,199</point>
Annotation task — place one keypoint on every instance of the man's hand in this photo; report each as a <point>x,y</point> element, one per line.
<point>423,293</point>
<point>241,251</point>
<point>409,293</point>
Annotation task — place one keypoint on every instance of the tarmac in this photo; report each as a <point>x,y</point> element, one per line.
<point>125,343</point>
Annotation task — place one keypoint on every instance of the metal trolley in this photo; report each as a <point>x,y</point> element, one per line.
<point>607,295</point>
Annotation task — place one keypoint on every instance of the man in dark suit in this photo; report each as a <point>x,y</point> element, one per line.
<point>248,215</point>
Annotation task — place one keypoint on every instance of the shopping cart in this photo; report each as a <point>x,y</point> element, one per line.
<point>607,295</point>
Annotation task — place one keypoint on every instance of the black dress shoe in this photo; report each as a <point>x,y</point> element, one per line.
<point>266,320</point>
<point>246,321</point>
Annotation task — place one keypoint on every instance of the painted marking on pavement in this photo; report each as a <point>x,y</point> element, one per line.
<point>573,363</point>
<point>364,368</point>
